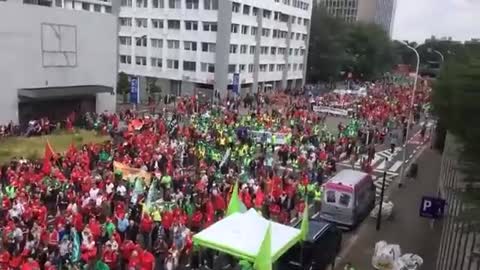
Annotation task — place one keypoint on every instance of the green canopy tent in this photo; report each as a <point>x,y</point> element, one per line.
<point>243,235</point>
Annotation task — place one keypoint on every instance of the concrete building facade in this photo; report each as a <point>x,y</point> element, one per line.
<point>381,12</point>
<point>55,60</point>
<point>200,44</point>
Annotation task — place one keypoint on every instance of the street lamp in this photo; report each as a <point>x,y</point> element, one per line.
<point>412,103</point>
<point>437,52</point>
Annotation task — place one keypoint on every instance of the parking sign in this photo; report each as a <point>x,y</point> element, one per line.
<point>432,207</point>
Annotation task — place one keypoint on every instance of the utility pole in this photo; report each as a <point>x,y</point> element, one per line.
<point>382,194</point>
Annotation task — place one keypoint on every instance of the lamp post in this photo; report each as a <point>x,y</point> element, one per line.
<point>412,103</point>
<point>437,52</point>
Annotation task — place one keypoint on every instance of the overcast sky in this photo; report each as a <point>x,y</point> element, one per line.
<point>416,20</point>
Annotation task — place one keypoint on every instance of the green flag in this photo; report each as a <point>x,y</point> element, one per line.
<point>263,261</point>
<point>75,255</point>
<point>101,266</point>
<point>234,206</point>
<point>305,222</point>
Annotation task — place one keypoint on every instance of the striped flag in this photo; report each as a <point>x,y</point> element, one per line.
<point>75,256</point>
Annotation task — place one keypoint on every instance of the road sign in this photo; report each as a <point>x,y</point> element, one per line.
<point>236,83</point>
<point>134,90</point>
<point>432,207</point>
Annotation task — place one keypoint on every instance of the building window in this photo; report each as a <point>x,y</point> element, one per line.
<point>126,3</point>
<point>234,28</point>
<point>97,8</point>
<point>141,41</point>
<point>158,24</point>
<point>246,10</point>
<point>267,14</point>
<point>158,4</point>
<point>174,4</point>
<point>235,7</point>
<point>296,52</point>
<point>127,41</point>
<point>210,26</point>
<point>125,21</point>
<point>141,22</point>
<point>241,68</point>
<point>208,47</point>
<point>252,49</point>
<point>156,62</point>
<point>190,45</point>
<point>304,37</point>
<point>173,24</point>
<point>125,59</point>
<point>232,68</point>
<point>141,3</point>
<point>264,50</point>
<point>207,67</point>
<point>297,36</point>
<point>300,66</point>
<point>295,67</point>
<point>172,64</point>
<point>244,29</point>
<point>192,4</point>
<point>250,68</point>
<point>191,25</point>
<point>263,68</point>
<point>189,66</point>
<point>141,60</point>
<point>265,32</point>
<point>156,43</point>
<point>271,67</point>
<point>233,48</point>
<point>255,11</point>
<point>273,50</point>
<point>302,52</point>
<point>243,49</point>
<point>210,4</point>
<point>253,31</point>
<point>173,44</point>
<point>85,6</point>
<point>290,51</point>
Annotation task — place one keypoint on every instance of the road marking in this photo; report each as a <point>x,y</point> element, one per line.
<point>382,165</point>
<point>395,166</point>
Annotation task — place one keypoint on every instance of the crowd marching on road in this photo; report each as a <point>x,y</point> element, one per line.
<point>134,202</point>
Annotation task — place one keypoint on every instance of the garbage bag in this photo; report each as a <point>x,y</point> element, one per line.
<point>385,255</point>
<point>408,262</point>
<point>387,209</point>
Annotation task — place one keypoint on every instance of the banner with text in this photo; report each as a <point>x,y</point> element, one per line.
<point>262,136</point>
<point>331,110</point>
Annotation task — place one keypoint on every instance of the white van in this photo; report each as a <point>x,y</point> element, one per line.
<point>348,198</point>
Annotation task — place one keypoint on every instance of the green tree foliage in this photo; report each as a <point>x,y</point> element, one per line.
<point>456,100</point>
<point>152,85</point>
<point>336,46</point>
<point>326,49</point>
<point>123,86</point>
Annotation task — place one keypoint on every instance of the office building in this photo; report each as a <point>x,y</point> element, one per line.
<point>55,60</point>
<point>380,12</point>
<point>200,44</point>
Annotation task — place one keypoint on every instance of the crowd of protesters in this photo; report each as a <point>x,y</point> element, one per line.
<point>79,210</point>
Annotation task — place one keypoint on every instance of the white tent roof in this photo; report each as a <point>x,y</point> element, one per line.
<point>241,235</point>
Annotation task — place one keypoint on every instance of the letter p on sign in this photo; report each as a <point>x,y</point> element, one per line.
<point>426,204</point>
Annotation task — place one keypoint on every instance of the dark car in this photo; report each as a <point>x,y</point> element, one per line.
<point>319,250</point>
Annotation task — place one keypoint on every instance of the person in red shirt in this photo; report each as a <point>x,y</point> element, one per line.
<point>126,248</point>
<point>147,260</point>
<point>109,256</point>
<point>134,260</point>
<point>4,259</point>
<point>30,264</point>
<point>146,226</point>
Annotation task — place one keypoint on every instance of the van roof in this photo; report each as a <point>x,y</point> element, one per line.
<point>348,177</point>
<point>316,228</point>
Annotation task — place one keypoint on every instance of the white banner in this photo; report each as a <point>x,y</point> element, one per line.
<point>331,110</point>
<point>266,137</point>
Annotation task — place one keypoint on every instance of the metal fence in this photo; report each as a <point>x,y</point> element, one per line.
<point>459,246</point>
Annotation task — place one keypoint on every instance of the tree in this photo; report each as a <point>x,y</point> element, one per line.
<point>335,46</point>
<point>123,86</point>
<point>326,48</point>
<point>456,100</point>
<point>152,86</point>
<point>369,50</point>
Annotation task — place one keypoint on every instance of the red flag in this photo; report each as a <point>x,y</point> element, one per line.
<point>49,154</point>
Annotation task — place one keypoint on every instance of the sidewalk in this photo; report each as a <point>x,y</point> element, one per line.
<point>412,232</point>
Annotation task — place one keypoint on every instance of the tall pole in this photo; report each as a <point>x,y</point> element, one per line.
<point>441,55</point>
<point>412,103</point>
<point>382,194</point>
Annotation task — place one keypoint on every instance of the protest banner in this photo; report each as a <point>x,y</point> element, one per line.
<point>331,110</point>
<point>130,173</point>
<point>262,136</point>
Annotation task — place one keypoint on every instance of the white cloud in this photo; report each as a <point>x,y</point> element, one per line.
<point>419,19</point>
